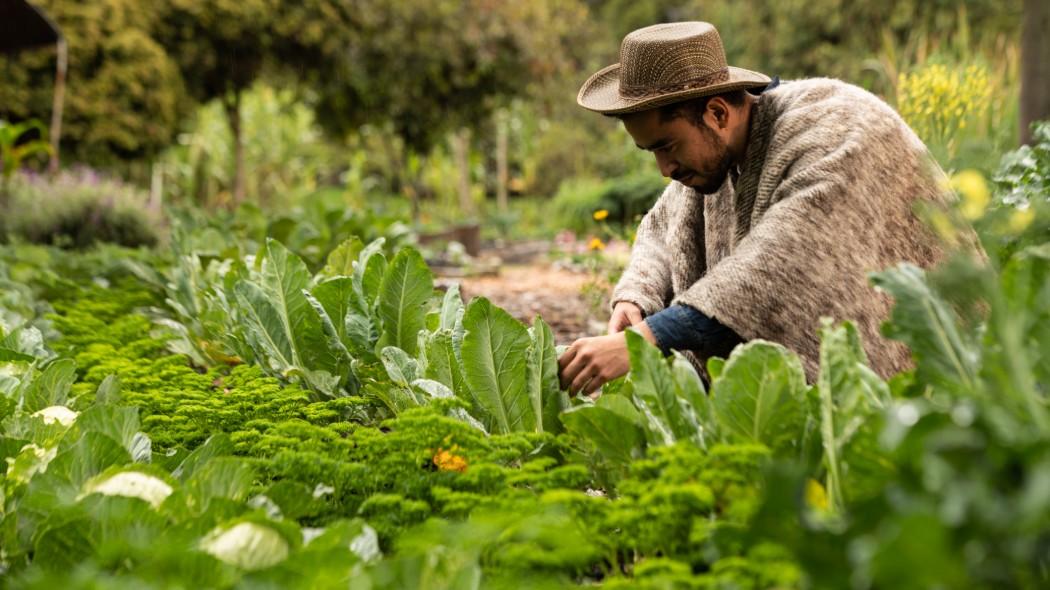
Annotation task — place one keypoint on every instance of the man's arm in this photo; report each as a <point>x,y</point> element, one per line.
<point>682,327</point>
<point>646,282</point>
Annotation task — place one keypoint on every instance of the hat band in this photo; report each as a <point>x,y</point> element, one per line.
<point>715,77</point>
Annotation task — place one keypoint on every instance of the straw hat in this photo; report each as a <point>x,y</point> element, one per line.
<point>663,64</point>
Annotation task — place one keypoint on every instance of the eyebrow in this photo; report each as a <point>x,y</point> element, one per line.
<point>659,144</point>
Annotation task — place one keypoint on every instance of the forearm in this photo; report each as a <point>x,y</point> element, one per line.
<point>681,327</point>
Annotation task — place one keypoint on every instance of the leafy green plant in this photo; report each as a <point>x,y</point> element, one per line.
<point>13,152</point>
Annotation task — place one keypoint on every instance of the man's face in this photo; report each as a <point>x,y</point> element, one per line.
<point>695,156</point>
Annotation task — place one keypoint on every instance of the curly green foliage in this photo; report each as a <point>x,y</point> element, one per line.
<point>124,96</point>
<point>681,498</point>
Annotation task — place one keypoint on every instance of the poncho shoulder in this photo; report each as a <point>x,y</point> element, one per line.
<point>825,196</point>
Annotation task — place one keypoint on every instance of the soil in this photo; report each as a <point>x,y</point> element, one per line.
<point>522,279</point>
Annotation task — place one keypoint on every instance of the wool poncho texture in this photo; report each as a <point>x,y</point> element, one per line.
<point>826,195</point>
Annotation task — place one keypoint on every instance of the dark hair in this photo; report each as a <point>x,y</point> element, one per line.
<point>693,109</point>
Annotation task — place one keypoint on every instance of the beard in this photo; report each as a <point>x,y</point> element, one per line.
<point>712,174</point>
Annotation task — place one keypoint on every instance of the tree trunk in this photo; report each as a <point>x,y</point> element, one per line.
<point>501,162</point>
<point>461,153</point>
<point>1035,66</point>
<point>233,116</point>
<point>57,104</point>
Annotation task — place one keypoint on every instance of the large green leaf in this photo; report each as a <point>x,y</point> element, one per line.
<point>545,394</point>
<point>655,392</point>
<point>120,423</point>
<point>265,331</point>
<point>401,368</point>
<point>945,356</point>
<point>368,276</point>
<point>284,330</point>
<point>612,424</point>
<point>760,396</point>
<point>340,262</point>
<point>851,399</point>
<point>51,387</point>
<point>444,367</point>
<point>451,308</point>
<point>403,297</point>
<point>336,299</point>
<point>494,352</point>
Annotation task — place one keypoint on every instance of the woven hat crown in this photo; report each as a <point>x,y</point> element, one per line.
<point>663,64</point>
<point>671,57</point>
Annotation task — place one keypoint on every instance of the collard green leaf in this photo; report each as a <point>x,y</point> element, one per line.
<point>543,387</point>
<point>368,276</point>
<point>851,400</point>
<point>403,297</point>
<point>265,331</point>
<point>282,327</point>
<point>944,355</point>
<point>655,392</point>
<point>217,445</point>
<point>121,423</point>
<point>219,478</point>
<point>340,262</point>
<point>401,368</point>
<point>90,455</point>
<point>714,367</point>
<point>335,297</point>
<point>451,308</point>
<point>51,387</point>
<point>494,358</point>
<point>761,396</point>
<point>611,424</point>
<point>444,367</point>
<point>108,391</point>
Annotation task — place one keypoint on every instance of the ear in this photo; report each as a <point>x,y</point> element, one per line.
<point>717,113</point>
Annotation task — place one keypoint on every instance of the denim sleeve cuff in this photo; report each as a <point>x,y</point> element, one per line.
<point>681,327</point>
<point>678,327</point>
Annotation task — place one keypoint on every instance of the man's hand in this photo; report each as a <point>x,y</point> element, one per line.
<point>589,363</point>
<point>624,315</point>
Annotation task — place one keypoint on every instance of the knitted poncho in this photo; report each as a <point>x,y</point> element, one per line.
<point>826,195</point>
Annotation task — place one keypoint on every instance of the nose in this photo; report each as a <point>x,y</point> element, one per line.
<point>666,164</point>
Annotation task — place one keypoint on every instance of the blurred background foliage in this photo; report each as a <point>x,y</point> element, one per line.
<point>453,112</point>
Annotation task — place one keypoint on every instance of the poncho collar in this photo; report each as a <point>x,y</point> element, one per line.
<point>763,116</point>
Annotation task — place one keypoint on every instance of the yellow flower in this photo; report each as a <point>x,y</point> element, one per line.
<point>816,497</point>
<point>973,189</point>
<point>600,214</point>
<point>596,244</point>
<point>1020,219</point>
<point>448,461</point>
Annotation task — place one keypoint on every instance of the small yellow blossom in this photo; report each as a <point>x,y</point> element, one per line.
<point>1020,219</point>
<point>816,497</point>
<point>596,244</point>
<point>601,214</point>
<point>449,461</point>
<point>973,190</point>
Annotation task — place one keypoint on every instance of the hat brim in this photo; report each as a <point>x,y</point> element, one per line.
<point>601,92</point>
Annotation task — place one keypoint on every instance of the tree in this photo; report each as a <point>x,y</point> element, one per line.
<point>221,47</point>
<point>125,96</point>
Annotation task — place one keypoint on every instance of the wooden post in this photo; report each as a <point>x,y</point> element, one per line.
<point>461,153</point>
<point>57,104</point>
<point>1035,66</point>
<point>501,161</point>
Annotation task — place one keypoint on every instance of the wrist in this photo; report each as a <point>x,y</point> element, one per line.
<point>643,329</point>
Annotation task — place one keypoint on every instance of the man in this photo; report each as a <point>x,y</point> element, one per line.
<point>783,197</point>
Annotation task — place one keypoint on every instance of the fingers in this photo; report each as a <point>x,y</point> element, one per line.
<point>584,380</point>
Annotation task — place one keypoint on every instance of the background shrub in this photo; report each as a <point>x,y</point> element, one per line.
<point>78,209</point>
